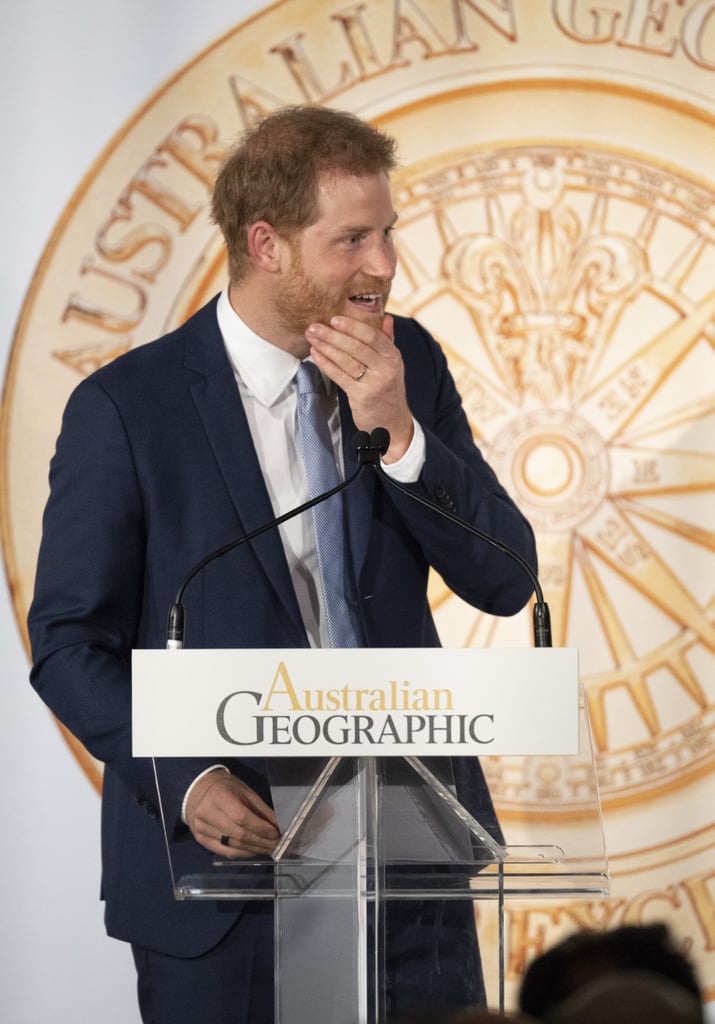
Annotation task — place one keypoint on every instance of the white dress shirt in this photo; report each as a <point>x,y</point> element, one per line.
<point>264,374</point>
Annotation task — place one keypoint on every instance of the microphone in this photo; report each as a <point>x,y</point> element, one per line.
<point>377,445</point>
<point>176,626</point>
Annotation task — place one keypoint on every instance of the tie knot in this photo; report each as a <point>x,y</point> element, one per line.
<point>308,379</point>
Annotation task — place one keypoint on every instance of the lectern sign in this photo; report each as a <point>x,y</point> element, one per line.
<point>383,702</point>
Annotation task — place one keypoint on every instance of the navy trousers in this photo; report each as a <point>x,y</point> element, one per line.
<point>230,984</point>
<point>433,964</point>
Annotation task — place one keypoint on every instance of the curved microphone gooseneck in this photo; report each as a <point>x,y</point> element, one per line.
<point>369,449</point>
<point>379,442</point>
<point>177,618</point>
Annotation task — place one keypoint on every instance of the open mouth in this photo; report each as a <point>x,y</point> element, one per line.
<point>371,302</point>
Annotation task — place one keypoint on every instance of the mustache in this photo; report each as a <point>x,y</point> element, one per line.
<point>370,286</point>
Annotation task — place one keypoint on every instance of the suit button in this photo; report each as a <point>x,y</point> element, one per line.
<point>444,499</point>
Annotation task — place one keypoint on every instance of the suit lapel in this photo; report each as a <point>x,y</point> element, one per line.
<point>215,393</point>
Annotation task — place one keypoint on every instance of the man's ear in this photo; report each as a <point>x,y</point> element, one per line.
<point>265,246</point>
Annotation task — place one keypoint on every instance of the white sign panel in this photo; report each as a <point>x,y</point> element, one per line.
<point>380,702</point>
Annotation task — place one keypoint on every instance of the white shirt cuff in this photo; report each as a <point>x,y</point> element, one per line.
<point>407,469</point>
<point>184,802</point>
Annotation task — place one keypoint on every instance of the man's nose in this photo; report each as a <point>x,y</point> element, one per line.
<point>381,259</point>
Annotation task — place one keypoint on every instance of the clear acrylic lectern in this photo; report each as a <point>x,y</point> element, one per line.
<point>385,860</point>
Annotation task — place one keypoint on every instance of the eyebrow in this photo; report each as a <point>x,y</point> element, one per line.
<point>359,229</point>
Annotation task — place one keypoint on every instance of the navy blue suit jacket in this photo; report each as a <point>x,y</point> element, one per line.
<point>154,468</point>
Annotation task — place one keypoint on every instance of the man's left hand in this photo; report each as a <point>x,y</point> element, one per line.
<point>364,361</point>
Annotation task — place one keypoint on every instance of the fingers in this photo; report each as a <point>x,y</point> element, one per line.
<point>230,819</point>
<point>348,348</point>
<point>364,361</point>
<point>388,327</point>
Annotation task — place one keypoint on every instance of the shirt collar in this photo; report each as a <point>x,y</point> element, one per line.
<point>265,369</point>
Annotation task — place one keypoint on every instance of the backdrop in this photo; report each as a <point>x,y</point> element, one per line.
<point>557,235</point>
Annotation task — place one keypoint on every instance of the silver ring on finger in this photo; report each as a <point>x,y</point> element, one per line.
<point>361,374</point>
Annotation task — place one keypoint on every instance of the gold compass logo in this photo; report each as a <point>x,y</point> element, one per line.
<point>557,234</point>
<point>569,279</point>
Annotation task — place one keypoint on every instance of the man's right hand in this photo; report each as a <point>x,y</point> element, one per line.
<point>222,809</point>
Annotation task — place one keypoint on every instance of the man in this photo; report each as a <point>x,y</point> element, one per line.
<point>183,445</point>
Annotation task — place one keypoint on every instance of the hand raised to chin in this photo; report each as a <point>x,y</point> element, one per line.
<point>364,361</point>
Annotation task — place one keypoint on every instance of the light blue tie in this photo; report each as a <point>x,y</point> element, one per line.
<point>312,415</point>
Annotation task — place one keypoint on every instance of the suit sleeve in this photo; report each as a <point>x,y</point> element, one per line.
<point>85,616</point>
<point>457,477</point>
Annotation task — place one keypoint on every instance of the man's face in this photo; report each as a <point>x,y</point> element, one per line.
<point>344,262</point>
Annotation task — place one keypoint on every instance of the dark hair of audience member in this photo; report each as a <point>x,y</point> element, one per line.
<point>584,956</point>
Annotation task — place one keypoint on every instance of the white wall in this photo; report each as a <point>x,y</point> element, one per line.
<point>62,97</point>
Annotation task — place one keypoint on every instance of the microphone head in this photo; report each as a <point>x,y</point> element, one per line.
<point>380,440</point>
<point>361,441</point>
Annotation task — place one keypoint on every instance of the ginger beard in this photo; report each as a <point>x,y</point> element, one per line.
<point>300,300</point>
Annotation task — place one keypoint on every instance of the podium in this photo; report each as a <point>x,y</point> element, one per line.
<point>404,783</point>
